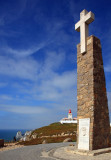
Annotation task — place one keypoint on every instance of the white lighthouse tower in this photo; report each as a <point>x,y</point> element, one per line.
<point>70,119</point>
<point>70,114</point>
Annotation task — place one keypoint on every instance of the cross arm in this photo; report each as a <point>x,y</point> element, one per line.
<point>77,26</point>
<point>89,17</point>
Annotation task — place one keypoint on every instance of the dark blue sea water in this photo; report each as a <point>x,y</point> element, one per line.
<point>8,135</point>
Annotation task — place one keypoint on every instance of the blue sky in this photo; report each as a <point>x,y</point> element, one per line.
<point>38,78</point>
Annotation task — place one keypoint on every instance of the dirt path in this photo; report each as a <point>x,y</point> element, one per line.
<point>9,146</point>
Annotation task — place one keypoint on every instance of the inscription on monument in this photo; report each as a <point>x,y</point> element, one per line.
<point>84,125</point>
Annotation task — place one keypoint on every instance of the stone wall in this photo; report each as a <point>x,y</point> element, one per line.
<point>91,93</point>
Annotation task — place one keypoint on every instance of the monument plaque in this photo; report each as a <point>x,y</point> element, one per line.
<point>84,125</point>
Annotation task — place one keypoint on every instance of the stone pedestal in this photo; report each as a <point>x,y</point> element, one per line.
<point>91,94</point>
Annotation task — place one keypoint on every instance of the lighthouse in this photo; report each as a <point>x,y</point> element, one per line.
<point>70,119</point>
<point>70,114</point>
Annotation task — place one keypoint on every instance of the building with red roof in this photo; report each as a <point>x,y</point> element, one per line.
<point>70,119</point>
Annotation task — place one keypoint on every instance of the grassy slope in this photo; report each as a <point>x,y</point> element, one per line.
<point>53,129</point>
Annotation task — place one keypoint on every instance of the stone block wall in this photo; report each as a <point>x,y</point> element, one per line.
<point>91,94</point>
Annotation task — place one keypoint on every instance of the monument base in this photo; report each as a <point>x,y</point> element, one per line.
<point>74,150</point>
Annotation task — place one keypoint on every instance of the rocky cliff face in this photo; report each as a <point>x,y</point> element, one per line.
<point>25,137</point>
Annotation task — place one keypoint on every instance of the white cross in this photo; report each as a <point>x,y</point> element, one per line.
<point>82,26</point>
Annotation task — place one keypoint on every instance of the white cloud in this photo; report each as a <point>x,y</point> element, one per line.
<point>56,88</point>
<point>107,68</point>
<point>53,60</point>
<point>23,109</point>
<point>3,84</point>
<point>24,52</point>
<point>26,68</point>
<point>109,103</point>
<point>4,97</point>
<point>51,84</point>
<point>47,83</point>
<point>30,68</point>
<point>109,100</point>
<point>65,81</point>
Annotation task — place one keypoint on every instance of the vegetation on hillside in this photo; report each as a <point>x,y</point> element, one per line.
<point>61,132</point>
<point>55,128</point>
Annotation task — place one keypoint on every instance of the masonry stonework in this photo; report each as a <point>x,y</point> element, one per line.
<point>91,94</point>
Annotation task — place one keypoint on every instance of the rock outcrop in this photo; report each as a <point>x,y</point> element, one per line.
<point>68,140</point>
<point>1,142</point>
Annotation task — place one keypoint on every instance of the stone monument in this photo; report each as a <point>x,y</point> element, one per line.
<point>93,128</point>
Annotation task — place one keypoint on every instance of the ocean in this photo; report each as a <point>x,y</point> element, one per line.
<point>8,135</point>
